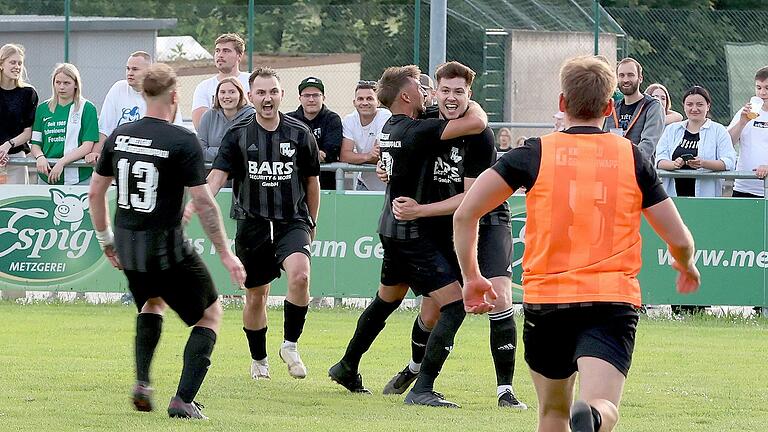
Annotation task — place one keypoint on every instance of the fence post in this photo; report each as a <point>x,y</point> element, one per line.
<point>417,32</point>
<point>251,15</point>
<point>438,17</point>
<point>67,11</point>
<point>597,26</point>
<point>339,180</point>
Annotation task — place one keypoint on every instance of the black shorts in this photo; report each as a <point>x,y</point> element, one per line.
<point>186,287</point>
<point>494,251</point>
<point>263,245</point>
<point>419,263</point>
<point>555,338</point>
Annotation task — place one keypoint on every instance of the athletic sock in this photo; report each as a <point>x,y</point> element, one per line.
<point>503,345</point>
<point>293,324</point>
<point>419,337</point>
<point>197,359</point>
<point>439,345</point>
<point>369,325</point>
<point>148,329</point>
<point>501,389</point>
<point>257,343</point>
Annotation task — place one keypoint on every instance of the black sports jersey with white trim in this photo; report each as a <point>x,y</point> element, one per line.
<point>407,146</point>
<point>269,168</point>
<point>466,156</point>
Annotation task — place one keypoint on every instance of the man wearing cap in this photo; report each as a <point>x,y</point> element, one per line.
<point>428,86</point>
<point>324,123</point>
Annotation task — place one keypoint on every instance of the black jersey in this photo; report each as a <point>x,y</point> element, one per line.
<point>269,168</point>
<point>152,161</point>
<point>407,147</point>
<point>466,156</point>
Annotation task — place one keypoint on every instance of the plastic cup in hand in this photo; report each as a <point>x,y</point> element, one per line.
<point>756,104</point>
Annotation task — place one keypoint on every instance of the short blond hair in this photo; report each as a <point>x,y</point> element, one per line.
<point>143,54</point>
<point>392,82</point>
<point>588,85</point>
<point>159,81</point>
<point>236,40</point>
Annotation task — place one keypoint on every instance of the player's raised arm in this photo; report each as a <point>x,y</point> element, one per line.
<point>210,219</point>
<point>473,122</point>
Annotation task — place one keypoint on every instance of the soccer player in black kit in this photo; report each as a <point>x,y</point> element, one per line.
<point>273,161</point>
<point>152,162</point>
<point>411,259</point>
<point>453,171</point>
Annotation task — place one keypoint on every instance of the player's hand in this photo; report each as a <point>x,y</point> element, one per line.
<point>189,211</point>
<point>678,163</point>
<point>406,209</point>
<point>478,295</point>
<point>91,158</point>
<point>42,165</point>
<point>381,173</point>
<point>321,155</point>
<point>688,278</point>
<point>109,252</point>
<point>234,267</point>
<point>695,163</point>
<point>55,174</point>
<point>761,171</point>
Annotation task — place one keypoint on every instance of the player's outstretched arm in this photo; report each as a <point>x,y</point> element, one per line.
<point>665,220</point>
<point>97,207</point>
<point>210,219</point>
<point>487,192</point>
<point>474,121</point>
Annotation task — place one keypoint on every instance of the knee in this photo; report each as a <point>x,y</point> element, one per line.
<point>298,278</point>
<point>430,313</point>
<point>214,312</point>
<point>154,306</point>
<point>256,298</point>
<point>554,409</point>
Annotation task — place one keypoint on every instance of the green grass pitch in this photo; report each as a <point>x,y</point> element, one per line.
<point>69,367</point>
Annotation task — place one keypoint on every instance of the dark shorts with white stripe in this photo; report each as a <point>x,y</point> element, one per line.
<point>262,246</point>
<point>494,251</point>
<point>556,336</point>
<point>186,287</point>
<point>419,263</point>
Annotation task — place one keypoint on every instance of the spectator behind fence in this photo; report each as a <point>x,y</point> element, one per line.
<point>66,127</point>
<point>697,143</point>
<point>230,107</point>
<point>18,101</point>
<point>227,55</point>
<point>660,93</point>
<point>504,140</point>
<point>752,136</point>
<point>324,123</point>
<point>124,102</point>
<point>361,132</point>
<point>428,85</point>
<point>637,117</point>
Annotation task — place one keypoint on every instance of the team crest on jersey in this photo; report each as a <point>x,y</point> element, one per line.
<point>455,155</point>
<point>286,150</point>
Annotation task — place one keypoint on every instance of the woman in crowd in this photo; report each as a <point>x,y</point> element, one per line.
<point>660,92</point>
<point>65,128</point>
<point>697,143</point>
<point>505,139</point>
<point>18,101</point>
<point>229,107</point>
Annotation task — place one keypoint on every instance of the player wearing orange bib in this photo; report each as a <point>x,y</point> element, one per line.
<point>586,190</point>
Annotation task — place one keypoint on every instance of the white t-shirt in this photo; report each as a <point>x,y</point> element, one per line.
<point>364,138</point>
<point>753,151</point>
<point>205,91</point>
<point>124,105</point>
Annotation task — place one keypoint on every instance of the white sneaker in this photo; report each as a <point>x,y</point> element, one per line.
<point>290,356</point>
<point>260,369</point>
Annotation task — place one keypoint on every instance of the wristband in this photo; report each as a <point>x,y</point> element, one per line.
<point>39,156</point>
<point>13,144</point>
<point>105,238</point>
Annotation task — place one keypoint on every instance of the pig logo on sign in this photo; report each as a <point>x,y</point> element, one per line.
<point>69,208</point>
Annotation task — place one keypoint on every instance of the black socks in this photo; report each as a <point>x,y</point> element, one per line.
<point>369,325</point>
<point>419,337</point>
<point>439,345</point>
<point>503,345</point>
<point>257,343</point>
<point>148,329</point>
<point>294,318</point>
<point>197,358</point>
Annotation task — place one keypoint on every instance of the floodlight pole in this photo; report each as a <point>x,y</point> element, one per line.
<point>597,27</point>
<point>438,17</point>
<point>416,31</point>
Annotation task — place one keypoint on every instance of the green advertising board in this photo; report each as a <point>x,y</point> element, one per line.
<point>47,243</point>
